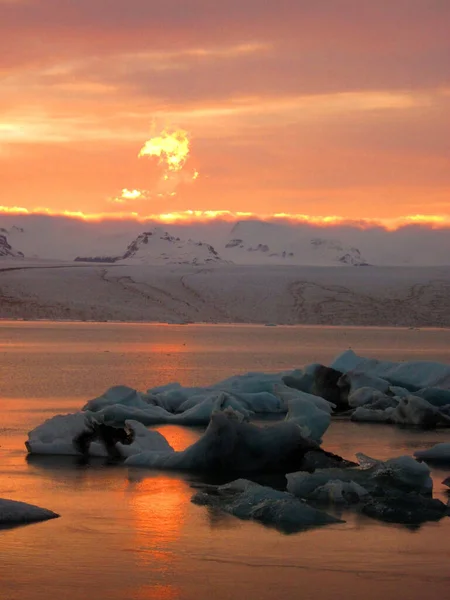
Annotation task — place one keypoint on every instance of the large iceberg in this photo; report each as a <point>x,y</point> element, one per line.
<point>230,444</point>
<point>248,500</point>
<point>13,512</point>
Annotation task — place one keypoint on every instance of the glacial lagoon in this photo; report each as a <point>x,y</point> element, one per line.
<point>135,534</point>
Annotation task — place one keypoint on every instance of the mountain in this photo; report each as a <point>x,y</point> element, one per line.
<point>257,242</point>
<point>6,250</point>
<point>243,242</point>
<point>157,247</point>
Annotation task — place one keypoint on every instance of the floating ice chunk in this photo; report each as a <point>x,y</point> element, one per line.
<point>251,383</point>
<point>367,396</point>
<point>15,513</point>
<point>304,485</point>
<point>198,414</point>
<point>414,375</point>
<point>55,436</point>
<point>312,420</point>
<point>435,396</point>
<point>232,445</point>
<point>439,452</point>
<point>399,392</point>
<point>358,379</point>
<point>174,396</point>
<point>302,381</point>
<point>410,410</point>
<point>340,492</point>
<point>119,394</point>
<point>369,415</point>
<point>413,410</point>
<point>286,394</point>
<point>403,472</point>
<point>409,509</point>
<point>258,402</point>
<point>247,500</point>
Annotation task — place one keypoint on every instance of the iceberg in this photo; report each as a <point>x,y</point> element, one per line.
<point>13,512</point>
<point>408,410</point>
<point>247,500</point>
<point>409,509</point>
<point>230,444</point>
<point>402,473</point>
<point>55,436</point>
<point>414,375</point>
<point>438,453</point>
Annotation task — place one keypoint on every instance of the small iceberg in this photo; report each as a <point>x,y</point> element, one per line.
<point>438,453</point>
<point>13,512</point>
<point>248,500</point>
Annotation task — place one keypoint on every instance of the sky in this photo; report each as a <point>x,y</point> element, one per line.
<point>331,108</point>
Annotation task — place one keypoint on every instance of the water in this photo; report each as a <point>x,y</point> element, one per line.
<point>135,535</point>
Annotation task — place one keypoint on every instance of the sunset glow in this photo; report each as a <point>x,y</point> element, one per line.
<point>290,110</point>
<point>200,216</point>
<point>172,149</point>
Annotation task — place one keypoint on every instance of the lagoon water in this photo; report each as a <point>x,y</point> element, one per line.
<point>134,534</point>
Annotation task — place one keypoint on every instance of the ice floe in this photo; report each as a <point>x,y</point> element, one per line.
<point>231,444</point>
<point>248,500</point>
<point>55,436</point>
<point>438,453</point>
<point>13,512</point>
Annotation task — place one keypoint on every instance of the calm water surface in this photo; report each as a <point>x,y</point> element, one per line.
<point>135,535</point>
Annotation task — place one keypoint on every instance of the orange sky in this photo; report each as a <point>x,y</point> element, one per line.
<point>319,108</point>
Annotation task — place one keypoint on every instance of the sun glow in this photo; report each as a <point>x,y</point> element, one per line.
<point>172,149</point>
<point>203,216</point>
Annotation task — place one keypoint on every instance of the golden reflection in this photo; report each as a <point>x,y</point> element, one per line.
<point>178,437</point>
<point>158,509</point>
<point>157,592</point>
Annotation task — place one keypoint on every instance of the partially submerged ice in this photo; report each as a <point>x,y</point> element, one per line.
<point>437,453</point>
<point>56,435</point>
<point>402,473</point>
<point>13,512</point>
<point>248,500</point>
<point>398,490</point>
<point>230,444</point>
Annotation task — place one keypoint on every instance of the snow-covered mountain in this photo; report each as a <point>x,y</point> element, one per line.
<point>257,242</point>
<point>244,242</point>
<point>5,247</point>
<point>157,247</point>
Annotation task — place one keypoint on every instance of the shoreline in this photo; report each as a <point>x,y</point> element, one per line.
<point>7,320</point>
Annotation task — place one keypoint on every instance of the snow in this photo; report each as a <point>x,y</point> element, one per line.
<point>439,452</point>
<point>247,500</point>
<point>224,293</point>
<point>15,513</point>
